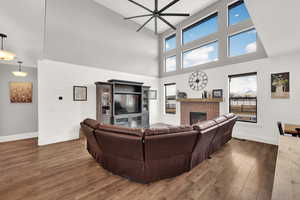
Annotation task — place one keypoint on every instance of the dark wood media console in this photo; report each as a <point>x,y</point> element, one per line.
<point>123,103</point>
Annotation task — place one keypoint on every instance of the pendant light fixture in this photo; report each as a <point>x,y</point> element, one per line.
<point>5,55</point>
<point>19,73</point>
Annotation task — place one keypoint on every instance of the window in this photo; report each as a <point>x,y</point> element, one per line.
<point>170,43</point>
<point>201,29</point>
<point>170,98</point>
<point>170,64</point>
<point>243,96</point>
<point>237,13</point>
<point>242,43</point>
<point>205,54</point>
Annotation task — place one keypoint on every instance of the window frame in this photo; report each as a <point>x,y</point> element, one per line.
<point>198,47</point>
<point>200,21</point>
<point>236,2</point>
<point>256,101</point>
<point>168,37</point>
<point>237,33</point>
<point>165,63</point>
<point>165,104</point>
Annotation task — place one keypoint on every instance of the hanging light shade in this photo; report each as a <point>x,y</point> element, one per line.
<point>19,73</point>
<point>5,55</point>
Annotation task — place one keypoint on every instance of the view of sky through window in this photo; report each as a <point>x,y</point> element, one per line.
<point>242,43</point>
<point>237,13</point>
<point>170,43</point>
<point>244,86</point>
<point>201,55</point>
<point>171,64</point>
<point>201,29</point>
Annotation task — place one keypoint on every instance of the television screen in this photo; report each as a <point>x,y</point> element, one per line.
<point>127,103</point>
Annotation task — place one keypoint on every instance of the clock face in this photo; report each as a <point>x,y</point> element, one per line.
<point>198,80</point>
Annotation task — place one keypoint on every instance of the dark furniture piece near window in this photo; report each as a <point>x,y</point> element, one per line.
<point>279,125</point>
<point>147,155</point>
<point>123,103</point>
<point>292,129</point>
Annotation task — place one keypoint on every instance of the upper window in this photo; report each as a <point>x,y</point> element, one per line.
<point>170,64</point>
<point>170,43</point>
<point>243,96</point>
<point>201,29</point>
<point>242,43</point>
<point>170,98</point>
<point>237,13</point>
<point>201,55</point>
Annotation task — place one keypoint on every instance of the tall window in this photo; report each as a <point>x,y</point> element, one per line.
<point>170,43</point>
<point>170,64</point>
<point>205,54</point>
<point>242,43</point>
<point>201,29</point>
<point>243,96</point>
<point>237,12</point>
<point>170,98</point>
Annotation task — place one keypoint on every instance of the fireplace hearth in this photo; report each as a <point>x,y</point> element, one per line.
<point>196,117</point>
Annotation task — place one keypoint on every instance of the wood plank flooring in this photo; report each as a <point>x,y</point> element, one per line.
<point>241,170</point>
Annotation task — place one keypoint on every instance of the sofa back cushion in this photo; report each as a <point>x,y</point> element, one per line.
<point>229,115</point>
<point>169,145</point>
<point>167,130</point>
<point>220,119</point>
<point>120,145</point>
<point>201,126</point>
<point>123,130</point>
<point>91,123</point>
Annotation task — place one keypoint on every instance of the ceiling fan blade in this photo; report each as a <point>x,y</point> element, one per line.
<point>145,24</point>
<point>175,14</point>
<point>156,5</point>
<point>138,16</point>
<point>162,19</point>
<point>155,25</point>
<point>168,6</point>
<point>140,5</point>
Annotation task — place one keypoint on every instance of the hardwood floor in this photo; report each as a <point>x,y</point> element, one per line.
<point>241,170</point>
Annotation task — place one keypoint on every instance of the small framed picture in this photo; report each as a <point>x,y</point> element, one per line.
<point>217,94</point>
<point>79,93</point>
<point>152,94</point>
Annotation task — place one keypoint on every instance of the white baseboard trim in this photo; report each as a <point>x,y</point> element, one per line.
<point>20,136</point>
<point>257,139</point>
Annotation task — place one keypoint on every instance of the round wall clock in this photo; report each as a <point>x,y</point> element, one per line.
<point>198,80</point>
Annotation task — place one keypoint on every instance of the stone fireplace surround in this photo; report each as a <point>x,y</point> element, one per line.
<point>210,107</point>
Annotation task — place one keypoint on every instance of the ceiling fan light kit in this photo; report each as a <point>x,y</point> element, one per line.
<point>157,14</point>
<point>5,55</point>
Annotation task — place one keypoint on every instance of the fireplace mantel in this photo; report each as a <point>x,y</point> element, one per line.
<point>199,100</point>
<point>209,106</point>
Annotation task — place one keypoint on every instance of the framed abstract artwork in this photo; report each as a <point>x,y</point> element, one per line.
<point>280,85</point>
<point>20,92</point>
<point>79,93</point>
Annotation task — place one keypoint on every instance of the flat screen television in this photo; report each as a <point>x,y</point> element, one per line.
<point>127,104</point>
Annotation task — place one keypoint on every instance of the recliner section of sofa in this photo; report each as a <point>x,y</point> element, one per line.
<point>147,155</point>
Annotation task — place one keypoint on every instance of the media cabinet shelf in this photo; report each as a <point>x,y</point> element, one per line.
<point>199,100</point>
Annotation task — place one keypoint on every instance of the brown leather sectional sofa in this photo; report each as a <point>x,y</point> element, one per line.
<point>147,155</point>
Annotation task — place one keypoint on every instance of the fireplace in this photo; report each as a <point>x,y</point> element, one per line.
<point>197,117</point>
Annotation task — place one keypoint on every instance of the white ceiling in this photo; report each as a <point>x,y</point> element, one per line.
<point>277,23</point>
<point>23,22</point>
<point>128,9</point>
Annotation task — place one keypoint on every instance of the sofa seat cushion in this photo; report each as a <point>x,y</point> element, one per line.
<point>201,126</point>
<point>167,130</point>
<point>124,130</point>
<point>91,123</point>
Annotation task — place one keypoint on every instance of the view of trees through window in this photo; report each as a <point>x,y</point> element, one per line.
<point>243,96</point>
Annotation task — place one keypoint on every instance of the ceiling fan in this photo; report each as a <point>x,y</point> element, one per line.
<point>157,14</point>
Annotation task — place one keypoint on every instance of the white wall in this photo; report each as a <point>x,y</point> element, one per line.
<point>59,120</point>
<point>269,110</point>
